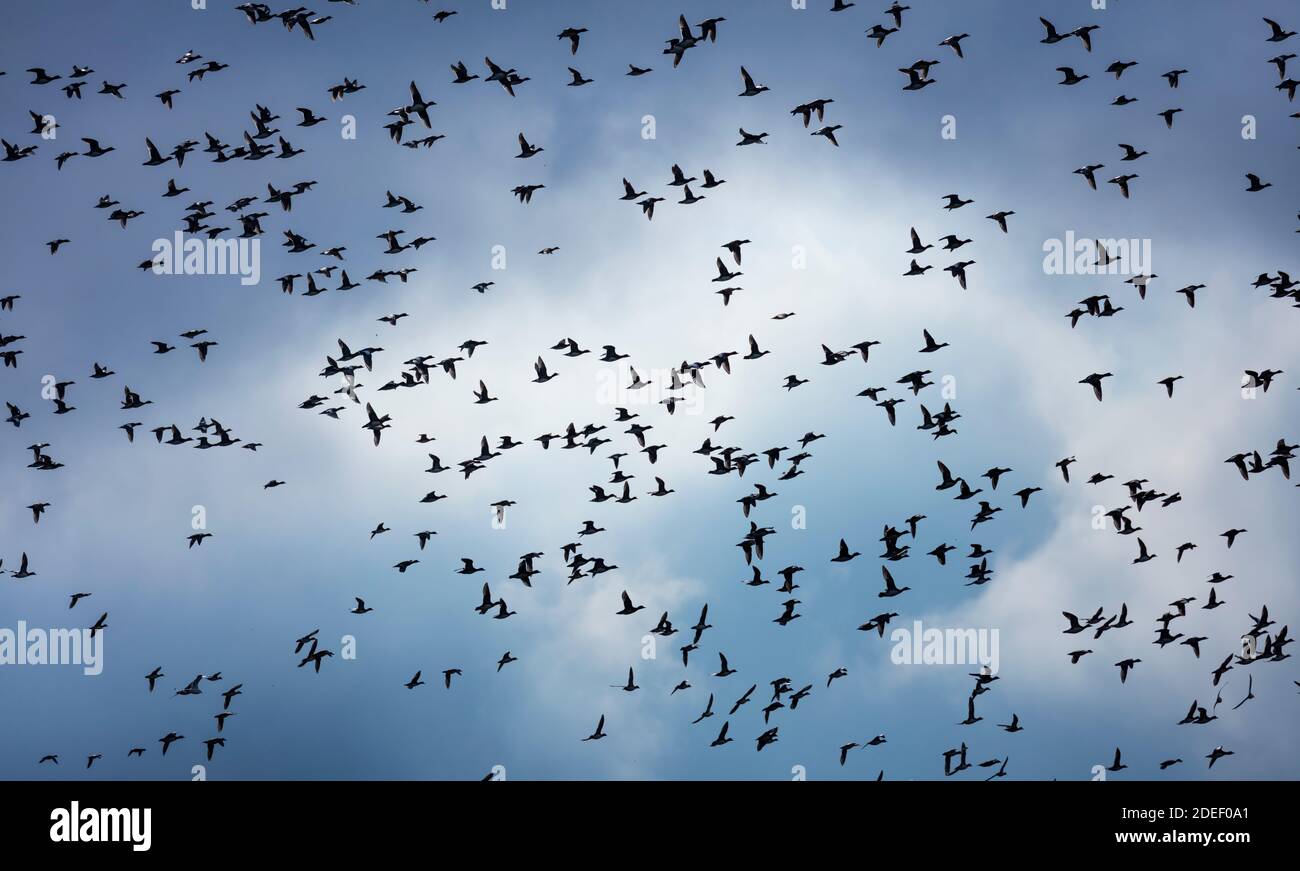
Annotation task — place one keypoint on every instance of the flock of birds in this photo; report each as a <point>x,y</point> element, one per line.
<point>625,438</point>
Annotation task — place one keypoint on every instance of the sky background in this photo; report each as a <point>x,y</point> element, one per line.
<point>285,561</point>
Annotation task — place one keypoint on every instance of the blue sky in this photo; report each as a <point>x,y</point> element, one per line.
<point>285,561</point>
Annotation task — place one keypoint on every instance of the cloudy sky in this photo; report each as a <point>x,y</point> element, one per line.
<point>829,234</point>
